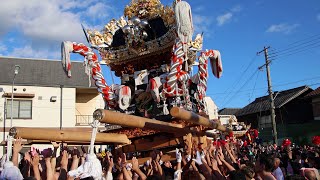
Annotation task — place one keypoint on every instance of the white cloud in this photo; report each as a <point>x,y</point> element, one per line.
<point>222,19</point>
<point>27,51</point>
<point>201,24</point>
<point>39,20</point>
<point>3,48</point>
<point>44,24</point>
<point>98,10</point>
<point>282,28</point>
<point>227,17</point>
<point>198,9</point>
<point>236,8</point>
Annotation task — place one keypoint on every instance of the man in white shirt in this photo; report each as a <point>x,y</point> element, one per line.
<point>277,170</point>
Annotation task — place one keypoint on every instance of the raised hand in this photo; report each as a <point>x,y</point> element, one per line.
<point>35,160</point>
<point>289,153</point>
<point>214,163</point>
<point>109,161</point>
<point>35,164</point>
<point>64,160</point>
<point>83,150</point>
<point>212,148</point>
<point>55,144</point>
<point>221,156</point>
<point>17,145</point>
<point>178,155</point>
<point>198,158</point>
<point>227,146</point>
<point>123,161</point>
<point>75,153</point>
<point>27,156</point>
<point>221,153</point>
<point>135,164</point>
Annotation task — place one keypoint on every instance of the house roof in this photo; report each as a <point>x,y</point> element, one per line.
<point>281,98</point>
<point>228,111</point>
<point>316,92</point>
<point>39,72</point>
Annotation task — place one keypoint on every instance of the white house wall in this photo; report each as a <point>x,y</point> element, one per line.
<point>44,112</point>
<point>212,108</point>
<point>87,103</point>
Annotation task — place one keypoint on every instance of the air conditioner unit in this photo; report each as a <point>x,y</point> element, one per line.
<point>53,99</point>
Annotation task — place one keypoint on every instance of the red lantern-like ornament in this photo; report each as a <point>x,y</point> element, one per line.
<point>316,140</point>
<point>286,143</point>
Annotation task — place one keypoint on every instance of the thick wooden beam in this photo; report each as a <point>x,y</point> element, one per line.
<point>148,145</point>
<point>60,135</point>
<point>117,118</point>
<point>196,119</point>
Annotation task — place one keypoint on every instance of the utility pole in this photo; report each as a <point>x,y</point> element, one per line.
<point>272,108</point>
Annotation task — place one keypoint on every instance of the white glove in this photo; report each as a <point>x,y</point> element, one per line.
<point>202,154</point>
<point>129,166</point>
<point>188,157</point>
<point>198,158</point>
<point>177,174</point>
<point>178,155</point>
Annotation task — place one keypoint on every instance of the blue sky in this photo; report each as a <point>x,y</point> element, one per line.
<point>238,29</point>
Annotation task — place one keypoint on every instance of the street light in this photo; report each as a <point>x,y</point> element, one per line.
<point>4,118</point>
<point>10,138</point>
<point>16,71</point>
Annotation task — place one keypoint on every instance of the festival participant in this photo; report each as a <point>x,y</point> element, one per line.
<point>277,173</point>
<point>223,160</point>
<point>264,166</point>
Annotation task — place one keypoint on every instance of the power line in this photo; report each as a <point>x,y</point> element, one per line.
<point>296,46</point>
<point>301,42</point>
<point>276,85</point>
<point>300,49</point>
<point>255,83</point>
<point>296,52</point>
<point>237,81</point>
<point>230,99</point>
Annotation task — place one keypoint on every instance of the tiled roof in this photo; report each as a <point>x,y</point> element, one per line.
<point>228,111</point>
<point>316,92</point>
<point>35,72</point>
<point>281,98</point>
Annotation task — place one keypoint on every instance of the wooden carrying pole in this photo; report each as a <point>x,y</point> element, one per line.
<point>66,136</point>
<point>196,119</point>
<point>110,117</point>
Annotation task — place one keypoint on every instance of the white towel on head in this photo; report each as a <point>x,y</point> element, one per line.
<point>2,161</point>
<point>91,168</point>
<point>10,172</point>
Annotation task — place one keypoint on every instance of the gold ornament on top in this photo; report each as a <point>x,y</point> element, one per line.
<point>197,43</point>
<point>95,37</point>
<point>150,9</point>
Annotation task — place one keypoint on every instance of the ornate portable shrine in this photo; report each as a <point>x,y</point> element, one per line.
<point>150,48</point>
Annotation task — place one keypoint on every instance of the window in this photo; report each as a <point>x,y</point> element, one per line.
<point>265,122</point>
<point>22,109</point>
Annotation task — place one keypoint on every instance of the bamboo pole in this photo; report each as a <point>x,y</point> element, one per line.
<point>196,119</point>
<point>61,135</point>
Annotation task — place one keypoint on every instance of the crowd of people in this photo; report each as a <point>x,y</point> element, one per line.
<point>218,160</point>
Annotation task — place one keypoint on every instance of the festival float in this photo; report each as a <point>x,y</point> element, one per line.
<point>160,100</point>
